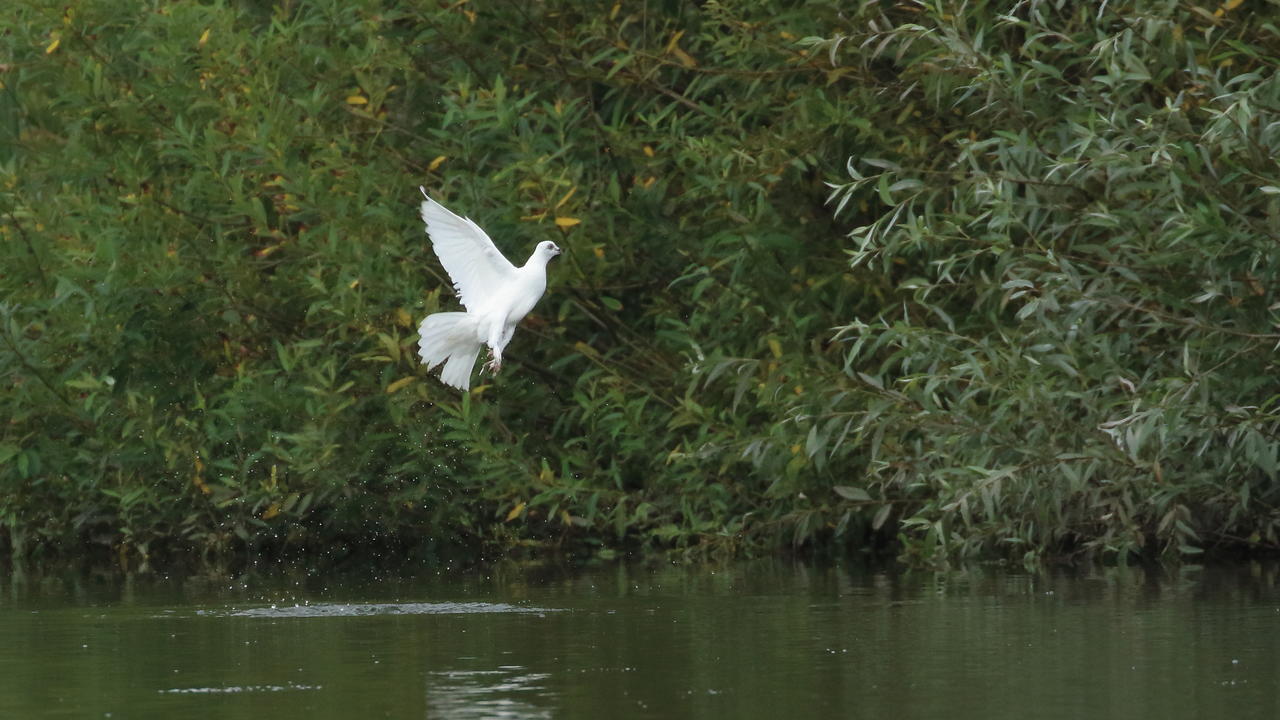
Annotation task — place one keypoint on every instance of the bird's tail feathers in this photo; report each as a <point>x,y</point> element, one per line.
<point>450,338</point>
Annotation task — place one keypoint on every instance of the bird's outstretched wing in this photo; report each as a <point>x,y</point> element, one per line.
<point>473,262</point>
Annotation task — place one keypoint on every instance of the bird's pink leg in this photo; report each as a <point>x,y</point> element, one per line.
<point>498,338</point>
<point>495,362</point>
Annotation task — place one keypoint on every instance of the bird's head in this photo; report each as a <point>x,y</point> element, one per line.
<point>548,248</point>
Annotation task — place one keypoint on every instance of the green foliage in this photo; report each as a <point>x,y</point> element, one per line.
<point>1053,331</point>
<point>1080,238</point>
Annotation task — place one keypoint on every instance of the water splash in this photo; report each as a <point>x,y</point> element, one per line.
<point>368,609</point>
<point>232,689</point>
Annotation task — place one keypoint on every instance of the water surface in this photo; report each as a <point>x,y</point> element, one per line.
<point>760,640</point>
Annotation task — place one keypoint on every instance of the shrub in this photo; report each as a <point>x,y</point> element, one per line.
<point>1051,332</point>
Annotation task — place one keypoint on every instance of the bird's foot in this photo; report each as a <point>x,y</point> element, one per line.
<point>494,365</point>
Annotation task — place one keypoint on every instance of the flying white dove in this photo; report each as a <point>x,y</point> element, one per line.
<point>496,294</point>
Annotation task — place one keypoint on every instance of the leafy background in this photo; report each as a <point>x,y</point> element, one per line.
<point>947,280</point>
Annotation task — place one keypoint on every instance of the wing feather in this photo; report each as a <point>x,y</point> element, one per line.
<point>475,265</point>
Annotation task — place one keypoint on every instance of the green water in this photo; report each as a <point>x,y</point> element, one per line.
<point>765,640</point>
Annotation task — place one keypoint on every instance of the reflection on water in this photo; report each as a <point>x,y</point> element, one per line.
<point>757,640</point>
<point>505,693</point>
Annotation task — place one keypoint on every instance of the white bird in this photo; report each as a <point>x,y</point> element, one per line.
<point>496,294</point>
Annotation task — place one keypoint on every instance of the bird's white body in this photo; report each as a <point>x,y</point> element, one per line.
<point>496,294</point>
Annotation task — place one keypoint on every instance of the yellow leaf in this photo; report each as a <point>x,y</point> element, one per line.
<point>786,35</point>
<point>566,197</point>
<point>204,38</point>
<point>271,512</point>
<point>53,45</point>
<point>648,151</point>
<point>599,251</point>
<point>436,163</point>
<point>685,58</point>
<point>197,480</point>
<point>614,12</point>
<point>534,218</point>
<point>471,15</point>
<point>795,448</point>
<point>565,517</point>
<point>352,285</point>
<point>567,222</point>
<point>404,318</point>
<point>775,347</point>
<point>671,44</point>
<point>400,383</point>
<point>515,511</point>
<point>357,100</point>
<point>1232,4</point>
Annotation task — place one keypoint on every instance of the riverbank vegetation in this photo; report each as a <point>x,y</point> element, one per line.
<point>919,278</point>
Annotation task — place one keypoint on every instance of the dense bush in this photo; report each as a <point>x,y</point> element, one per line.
<point>1080,235</point>
<point>1051,331</point>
